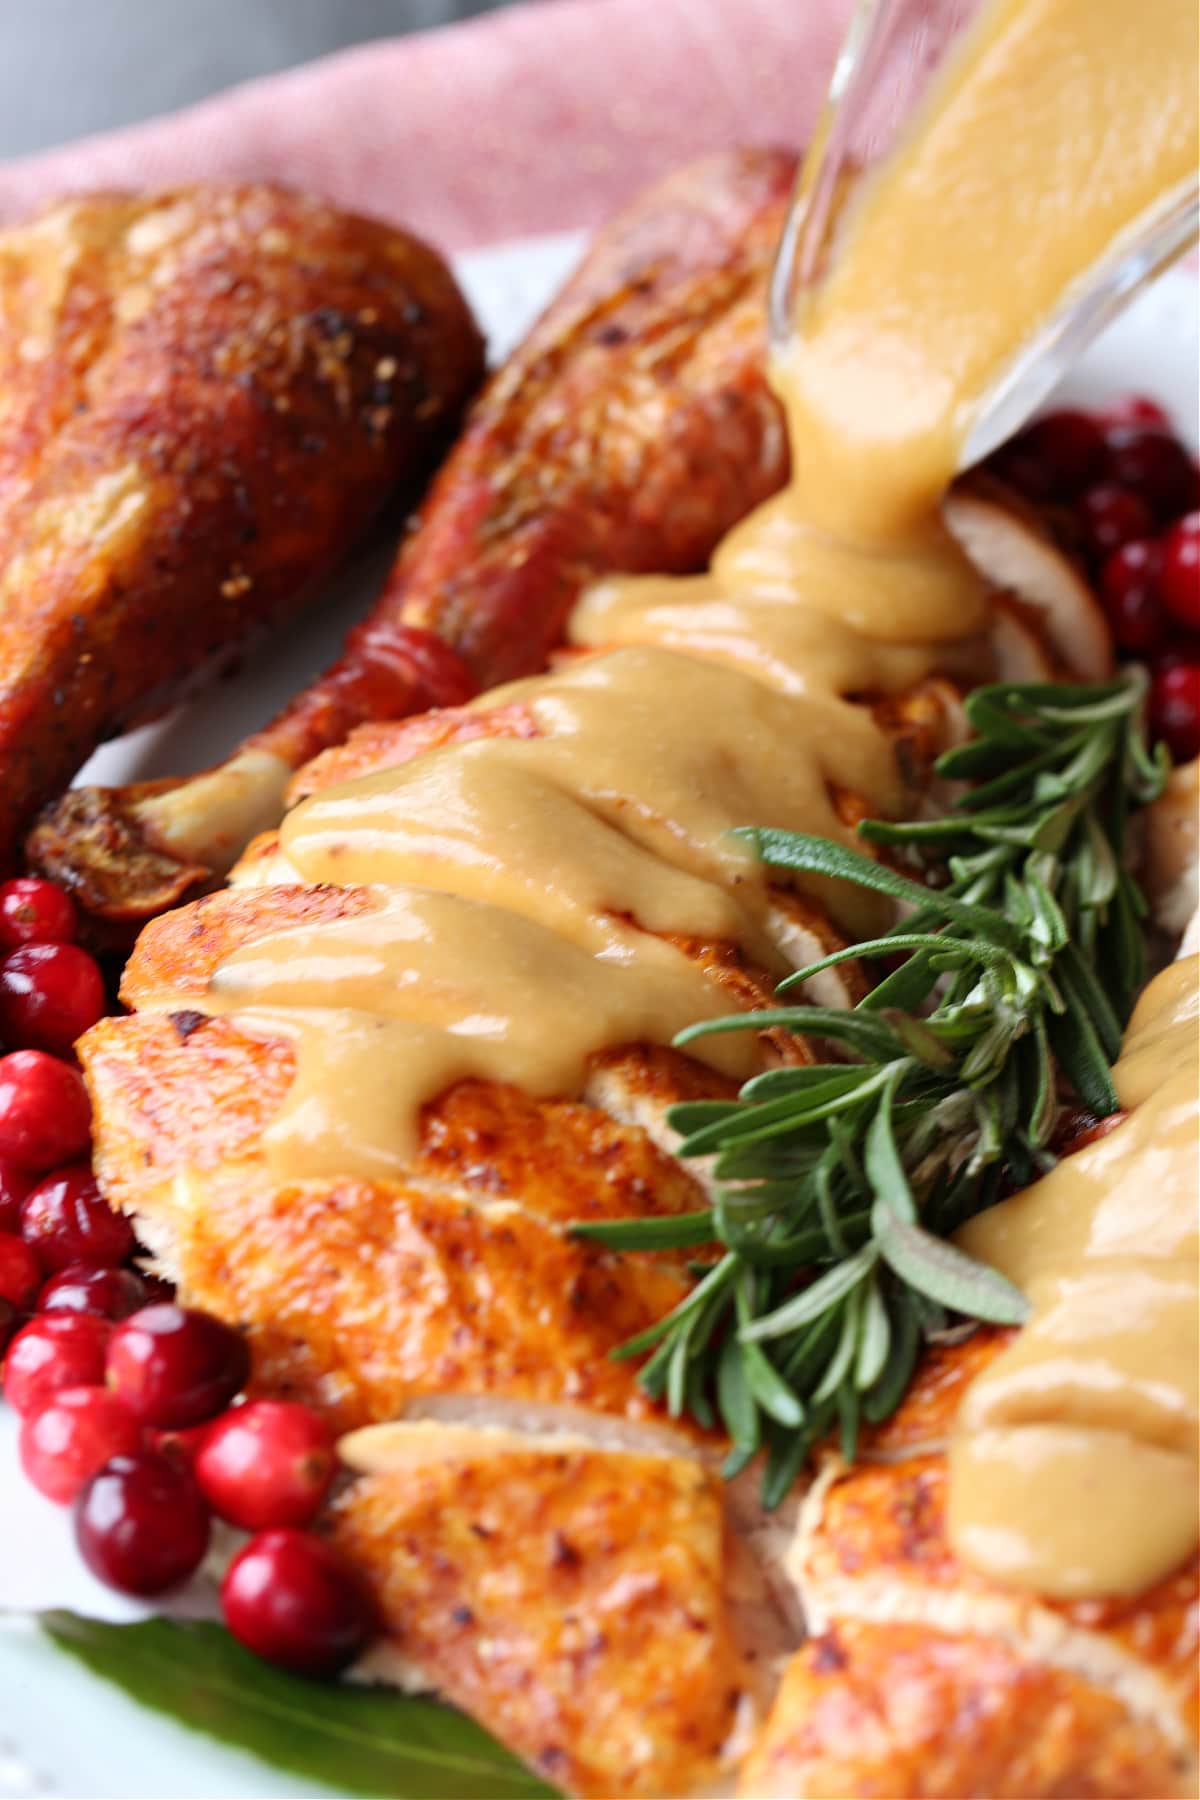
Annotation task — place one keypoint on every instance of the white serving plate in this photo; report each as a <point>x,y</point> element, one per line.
<point>63,1732</point>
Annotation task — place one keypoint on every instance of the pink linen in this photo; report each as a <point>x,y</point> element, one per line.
<point>539,118</point>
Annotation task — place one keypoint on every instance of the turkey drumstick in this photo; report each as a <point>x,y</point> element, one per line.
<point>206,396</point>
<point>632,428</point>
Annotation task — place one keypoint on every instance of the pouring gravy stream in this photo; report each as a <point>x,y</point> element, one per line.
<point>526,888</point>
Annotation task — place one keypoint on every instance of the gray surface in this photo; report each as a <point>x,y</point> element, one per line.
<point>70,67</point>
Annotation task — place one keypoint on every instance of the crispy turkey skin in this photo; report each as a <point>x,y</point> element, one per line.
<point>547,1549</point>
<point>629,431</point>
<point>548,1584</point>
<point>205,396</point>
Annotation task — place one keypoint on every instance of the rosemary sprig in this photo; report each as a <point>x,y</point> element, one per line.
<point>836,1185</point>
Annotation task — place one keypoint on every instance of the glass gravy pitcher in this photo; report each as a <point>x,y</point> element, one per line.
<point>893,52</point>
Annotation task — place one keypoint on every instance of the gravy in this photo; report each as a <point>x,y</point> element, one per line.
<point>1074,1460</point>
<point>525,889</point>
<point>521,885</point>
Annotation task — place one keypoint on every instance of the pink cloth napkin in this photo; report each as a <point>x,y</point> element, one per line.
<point>539,118</point>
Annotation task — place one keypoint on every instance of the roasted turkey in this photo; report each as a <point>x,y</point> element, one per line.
<point>549,1550</point>
<point>207,395</point>
<point>629,431</point>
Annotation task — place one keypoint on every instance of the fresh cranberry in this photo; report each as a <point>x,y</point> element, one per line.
<point>34,912</point>
<point>1175,708</point>
<point>49,995</point>
<point>67,1220</point>
<point>1129,589</point>
<point>141,1524</point>
<point>1155,466</point>
<point>1078,1128</point>
<point>1092,1134</point>
<point>1069,446</point>
<point>14,1185</point>
<point>293,1599</point>
<point>45,1114</point>
<point>20,1272</point>
<point>1112,516</point>
<point>81,1288</point>
<point>55,1350</point>
<point>1137,409</point>
<point>269,1462</point>
<point>180,1445</point>
<point>1184,647</point>
<point>1179,580</point>
<point>172,1365</point>
<point>73,1436</point>
<point>157,1289</point>
<point>1030,477</point>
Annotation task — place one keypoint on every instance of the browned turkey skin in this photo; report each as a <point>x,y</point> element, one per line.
<point>629,431</point>
<point>208,394</point>
<point>548,1551</point>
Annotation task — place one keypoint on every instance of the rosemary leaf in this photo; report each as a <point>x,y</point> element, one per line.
<point>874,1340</point>
<point>937,1269</point>
<point>838,1184</point>
<point>881,1400</point>
<point>809,1304</point>
<point>672,1233</point>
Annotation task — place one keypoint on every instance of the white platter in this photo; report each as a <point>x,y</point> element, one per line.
<point>62,1732</point>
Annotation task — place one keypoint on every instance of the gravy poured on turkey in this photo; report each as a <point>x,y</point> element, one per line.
<point>526,889</point>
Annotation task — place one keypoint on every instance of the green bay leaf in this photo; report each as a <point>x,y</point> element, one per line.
<point>360,1740</point>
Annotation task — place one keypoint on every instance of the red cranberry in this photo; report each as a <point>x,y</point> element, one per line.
<point>1023,472</point>
<point>34,912</point>
<point>157,1289</point>
<point>293,1599</point>
<point>141,1524</point>
<point>180,1445</point>
<point>55,1350</point>
<point>1112,516</point>
<point>45,1114</point>
<point>1184,647</point>
<point>269,1462</point>
<point>73,1436</point>
<point>14,1185</point>
<point>1078,1128</point>
<point>109,1293</point>
<point>172,1365</point>
<point>1137,409</point>
<point>1092,1134</point>
<point>49,995</point>
<point>1179,581</point>
<point>20,1272</point>
<point>1129,589</point>
<point>1155,466</point>
<point>1069,446</point>
<point>1175,708</point>
<point>67,1220</point>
